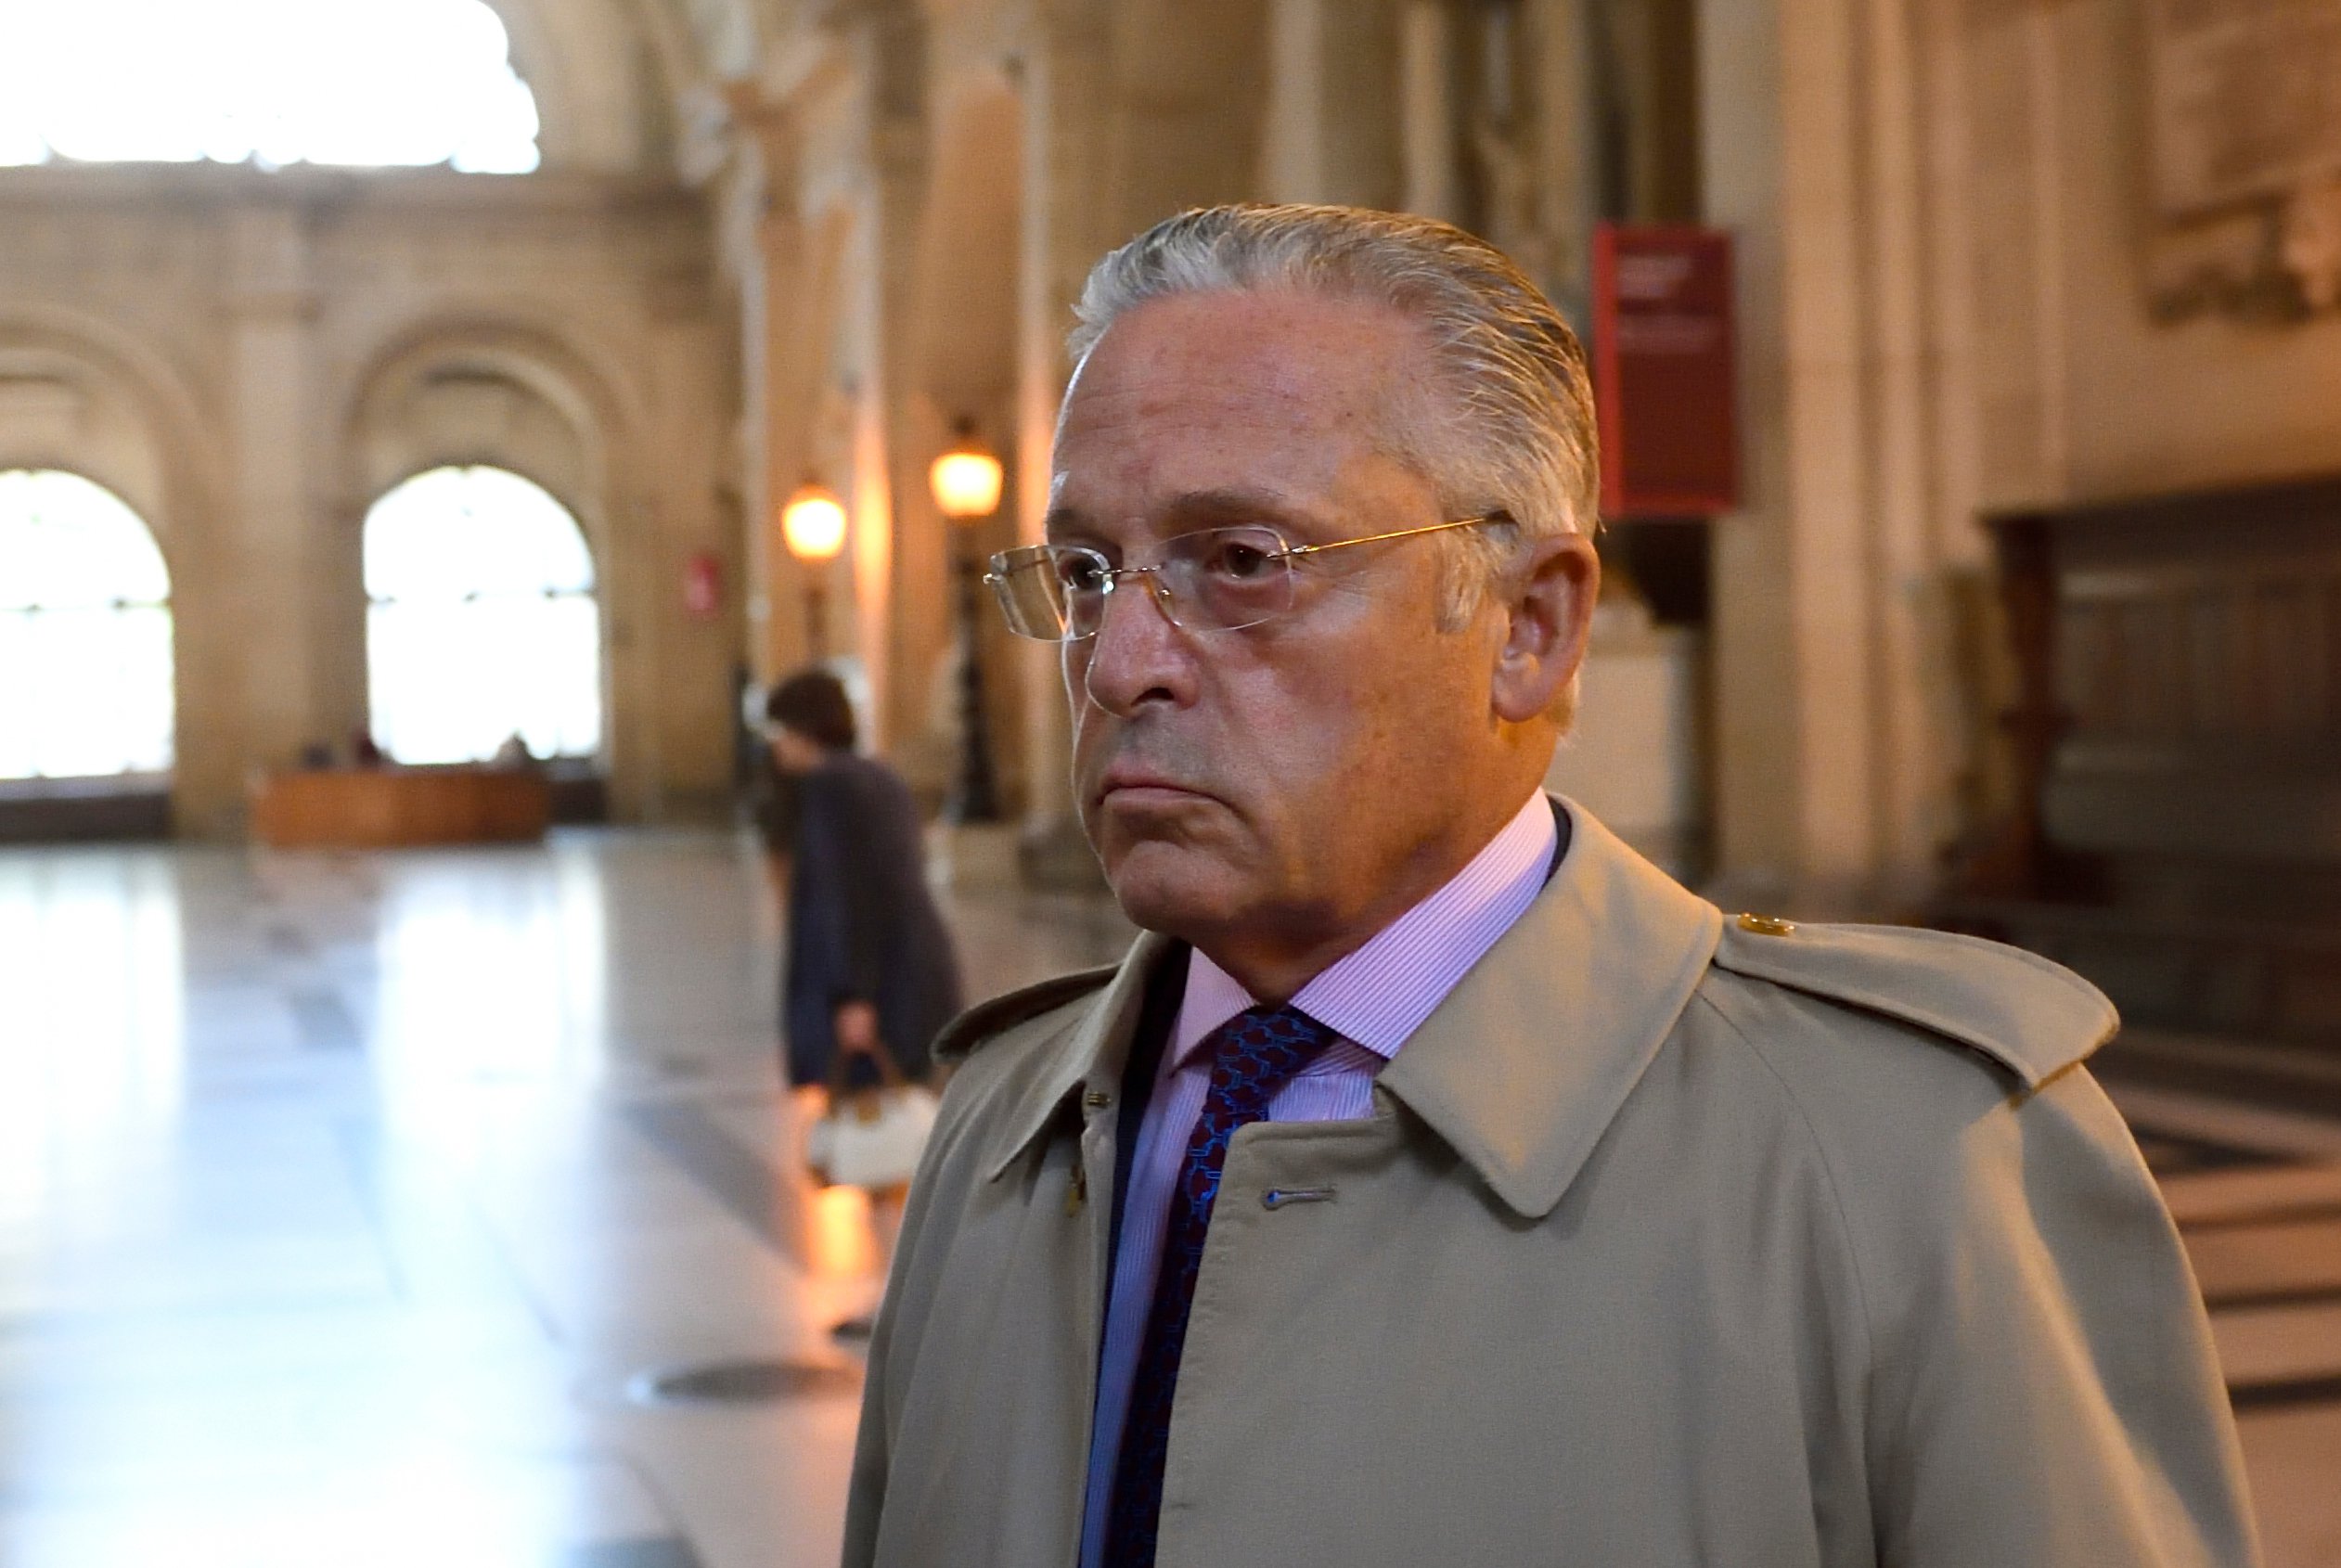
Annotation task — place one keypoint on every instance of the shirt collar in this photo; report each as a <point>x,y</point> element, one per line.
<point>1379,995</point>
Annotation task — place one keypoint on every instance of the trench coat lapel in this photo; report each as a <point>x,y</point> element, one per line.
<point>1524,1064</point>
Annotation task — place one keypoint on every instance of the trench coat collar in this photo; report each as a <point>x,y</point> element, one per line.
<point>1089,1053</point>
<point>1523,1066</point>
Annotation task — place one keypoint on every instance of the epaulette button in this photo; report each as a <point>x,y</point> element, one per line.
<point>1767,925</point>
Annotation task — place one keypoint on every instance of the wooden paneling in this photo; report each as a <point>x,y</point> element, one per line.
<point>2195,675</point>
<point>2178,737</point>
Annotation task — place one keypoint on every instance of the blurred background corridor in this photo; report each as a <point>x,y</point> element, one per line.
<point>429,428</point>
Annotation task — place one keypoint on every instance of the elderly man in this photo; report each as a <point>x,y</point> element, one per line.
<point>1436,1181</point>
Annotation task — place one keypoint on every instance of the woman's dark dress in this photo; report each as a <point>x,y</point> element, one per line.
<point>862,925</point>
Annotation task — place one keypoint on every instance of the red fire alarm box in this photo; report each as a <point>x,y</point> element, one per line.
<point>1662,373</point>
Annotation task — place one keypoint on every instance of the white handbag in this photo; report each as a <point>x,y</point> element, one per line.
<point>872,1139</point>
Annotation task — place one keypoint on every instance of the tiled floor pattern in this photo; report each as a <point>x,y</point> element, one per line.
<point>349,1204</point>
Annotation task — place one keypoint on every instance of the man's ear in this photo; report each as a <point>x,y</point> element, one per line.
<point>1547,599</point>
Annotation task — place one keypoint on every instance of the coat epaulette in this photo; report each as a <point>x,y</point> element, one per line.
<point>2033,1017</point>
<point>985,1019</point>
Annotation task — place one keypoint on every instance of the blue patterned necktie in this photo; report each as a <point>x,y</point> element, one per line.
<point>1252,1055</point>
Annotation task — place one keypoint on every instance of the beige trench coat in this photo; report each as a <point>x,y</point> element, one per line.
<point>1671,1240</point>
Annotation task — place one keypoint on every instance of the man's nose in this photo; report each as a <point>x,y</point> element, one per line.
<point>1138,654</point>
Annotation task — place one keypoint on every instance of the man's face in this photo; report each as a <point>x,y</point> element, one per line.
<point>1280,780</point>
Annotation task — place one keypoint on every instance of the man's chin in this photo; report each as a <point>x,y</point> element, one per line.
<point>1168,887</point>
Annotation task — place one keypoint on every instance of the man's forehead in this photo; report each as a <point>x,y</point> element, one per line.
<point>1164,473</point>
<point>1207,350</point>
<point>1188,401</point>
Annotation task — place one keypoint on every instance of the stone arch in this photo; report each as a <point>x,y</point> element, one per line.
<point>492,385</point>
<point>488,386</point>
<point>79,393</point>
<point>94,398</point>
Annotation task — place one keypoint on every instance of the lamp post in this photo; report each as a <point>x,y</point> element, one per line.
<point>965,481</point>
<point>813,526</point>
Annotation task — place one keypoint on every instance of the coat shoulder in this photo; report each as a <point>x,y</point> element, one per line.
<point>2032,1017</point>
<point>987,1022</point>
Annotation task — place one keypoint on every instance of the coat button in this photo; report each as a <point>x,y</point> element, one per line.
<point>1767,925</point>
<point>1097,1100</point>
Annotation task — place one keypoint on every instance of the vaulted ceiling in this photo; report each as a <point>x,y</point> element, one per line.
<point>614,78</point>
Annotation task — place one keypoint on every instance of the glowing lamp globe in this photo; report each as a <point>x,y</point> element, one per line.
<point>967,479</point>
<point>813,524</point>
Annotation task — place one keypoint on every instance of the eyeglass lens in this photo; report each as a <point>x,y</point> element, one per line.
<point>1216,579</point>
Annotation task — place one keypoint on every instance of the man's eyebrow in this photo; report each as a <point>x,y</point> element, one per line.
<point>1205,508</point>
<point>1195,508</point>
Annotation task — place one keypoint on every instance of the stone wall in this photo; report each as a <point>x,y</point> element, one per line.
<point>250,359</point>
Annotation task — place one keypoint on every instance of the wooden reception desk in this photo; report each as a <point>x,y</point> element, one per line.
<point>384,808</point>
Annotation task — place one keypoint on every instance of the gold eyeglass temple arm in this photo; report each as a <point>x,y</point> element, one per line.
<point>1399,533</point>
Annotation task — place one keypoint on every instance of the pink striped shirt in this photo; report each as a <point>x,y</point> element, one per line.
<point>1373,999</point>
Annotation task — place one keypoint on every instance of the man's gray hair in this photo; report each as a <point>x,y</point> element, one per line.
<point>1508,427</point>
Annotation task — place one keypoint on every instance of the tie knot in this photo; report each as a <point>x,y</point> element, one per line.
<point>1255,1051</point>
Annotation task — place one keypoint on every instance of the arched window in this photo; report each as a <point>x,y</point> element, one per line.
<point>484,624</point>
<point>85,685</point>
<point>345,81</point>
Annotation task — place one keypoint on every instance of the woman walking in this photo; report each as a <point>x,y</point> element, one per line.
<point>870,970</point>
<point>871,978</point>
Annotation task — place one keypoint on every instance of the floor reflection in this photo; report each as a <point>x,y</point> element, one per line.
<point>342,1196</point>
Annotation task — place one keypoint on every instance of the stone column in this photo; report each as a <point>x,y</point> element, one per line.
<point>1564,146</point>
<point>1426,111</point>
<point>1330,135</point>
<point>760,241</point>
<point>920,630</point>
<point>870,487</point>
<point>287,606</point>
<point>1067,83</point>
<point>1834,778</point>
<point>906,621</point>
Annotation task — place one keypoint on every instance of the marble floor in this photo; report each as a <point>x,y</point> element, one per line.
<point>352,1209</point>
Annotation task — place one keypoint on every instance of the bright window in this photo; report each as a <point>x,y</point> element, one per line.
<point>484,624</point>
<point>85,685</point>
<point>278,82</point>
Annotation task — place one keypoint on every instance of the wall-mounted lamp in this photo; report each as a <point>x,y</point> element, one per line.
<point>813,526</point>
<point>967,479</point>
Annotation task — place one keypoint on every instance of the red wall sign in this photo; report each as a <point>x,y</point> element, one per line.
<point>1663,371</point>
<point>703,585</point>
